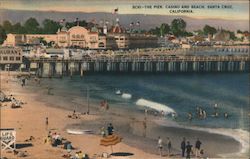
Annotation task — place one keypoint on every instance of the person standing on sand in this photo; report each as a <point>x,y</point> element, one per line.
<point>103,132</point>
<point>47,123</point>
<point>189,149</point>
<point>183,147</point>
<point>197,147</point>
<point>110,129</point>
<point>144,123</point>
<point>23,82</point>
<point>160,145</point>
<point>169,146</point>
<point>106,105</point>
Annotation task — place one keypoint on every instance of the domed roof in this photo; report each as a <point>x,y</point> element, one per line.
<point>78,29</point>
<point>117,29</point>
<point>64,29</point>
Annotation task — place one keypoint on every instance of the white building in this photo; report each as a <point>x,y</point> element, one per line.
<point>10,57</point>
<point>81,37</point>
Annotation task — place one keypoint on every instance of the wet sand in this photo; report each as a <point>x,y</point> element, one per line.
<point>31,121</point>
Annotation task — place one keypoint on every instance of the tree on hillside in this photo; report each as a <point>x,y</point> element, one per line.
<point>50,26</point>
<point>7,26</point>
<point>32,26</point>
<point>232,35</point>
<point>2,35</point>
<point>209,30</point>
<point>199,32</point>
<point>187,33</point>
<point>155,31</point>
<point>82,23</point>
<point>178,27</point>
<point>164,29</point>
<point>18,29</point>
<point>239,31</point>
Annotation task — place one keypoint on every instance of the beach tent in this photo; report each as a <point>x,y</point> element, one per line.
<point>110,140</point>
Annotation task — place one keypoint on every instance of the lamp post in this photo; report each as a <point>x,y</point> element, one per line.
<point>88,90</point>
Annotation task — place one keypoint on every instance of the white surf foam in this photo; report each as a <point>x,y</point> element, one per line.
<point>126,95</point>
<point>242,136</point>
<point>239,135</point>
<point>154,105</point>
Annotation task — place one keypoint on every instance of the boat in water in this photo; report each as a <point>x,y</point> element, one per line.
<point>118,92</point>
<point>126,96</point>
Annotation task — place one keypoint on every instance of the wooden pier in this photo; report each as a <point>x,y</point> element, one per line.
<point>138,63</point>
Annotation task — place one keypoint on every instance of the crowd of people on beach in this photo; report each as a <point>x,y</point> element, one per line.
<point>56,140</point>
<point>187,150</point>
<point>14,103</point>
<point>108,131</point>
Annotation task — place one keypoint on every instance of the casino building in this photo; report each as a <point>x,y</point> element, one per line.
<point>10,56</point>
<point>93,38</point>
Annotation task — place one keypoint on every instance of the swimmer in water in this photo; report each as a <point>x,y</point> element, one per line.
<point>190,116</point>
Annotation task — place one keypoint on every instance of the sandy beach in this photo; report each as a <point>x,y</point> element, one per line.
<point>30,121</point>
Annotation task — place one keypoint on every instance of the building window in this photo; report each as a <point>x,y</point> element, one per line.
<point>82,36</point>
<point>101,44</point>
<point>77,36</point>
<point>18,58</point>
<point>73,36</point>
<point>5,58</point>
<point>12,59</point>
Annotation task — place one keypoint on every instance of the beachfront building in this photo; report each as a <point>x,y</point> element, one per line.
<point>88,38</point>
<point>15,40</point>
<point>10,57</point>
<point>120,36</point>
<point>221,36</point>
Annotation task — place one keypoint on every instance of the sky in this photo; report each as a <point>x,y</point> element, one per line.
<point>236,9</point>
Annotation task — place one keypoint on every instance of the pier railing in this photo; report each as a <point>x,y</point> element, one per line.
<point>147,58</point>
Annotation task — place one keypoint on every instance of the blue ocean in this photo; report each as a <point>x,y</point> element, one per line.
<point>181,93</point>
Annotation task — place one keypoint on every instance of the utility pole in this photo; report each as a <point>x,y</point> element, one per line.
<point>88,99</point>
<point>87,91</point>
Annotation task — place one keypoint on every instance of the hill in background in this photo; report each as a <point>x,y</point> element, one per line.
<point>146,21</point>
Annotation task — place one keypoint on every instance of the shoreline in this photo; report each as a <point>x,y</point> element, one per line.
<point>31,122</point>
<point>113,115</point>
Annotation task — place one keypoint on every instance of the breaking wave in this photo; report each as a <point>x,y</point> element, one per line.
<point>153,105</point>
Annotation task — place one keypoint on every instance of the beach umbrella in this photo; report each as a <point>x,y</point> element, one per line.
<point>110,140</point>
